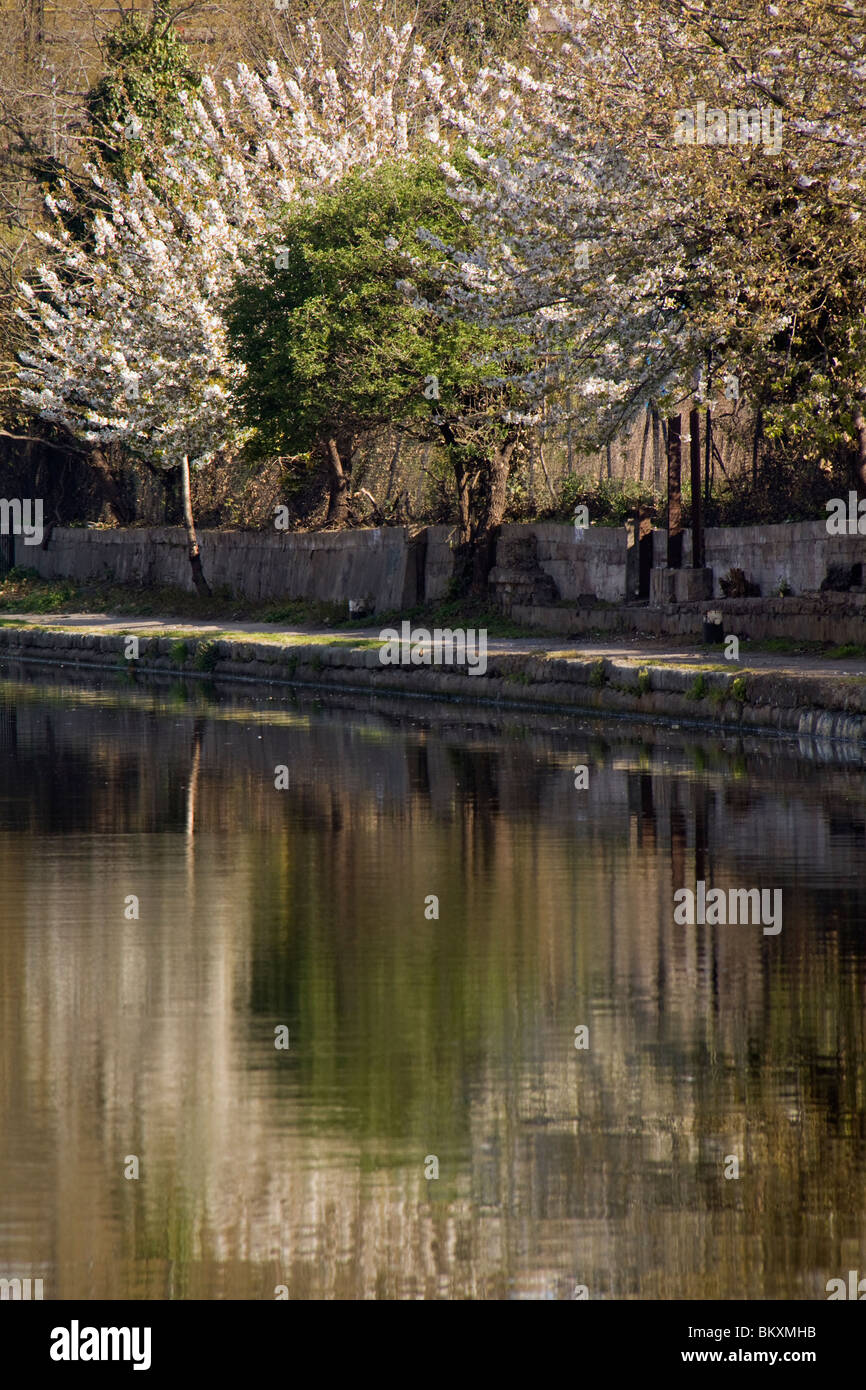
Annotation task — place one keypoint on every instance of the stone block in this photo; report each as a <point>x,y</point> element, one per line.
<point>680,585</point>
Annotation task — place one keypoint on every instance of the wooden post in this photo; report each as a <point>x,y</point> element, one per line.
<point>657,452</point>
<point>675,496</point>
<point>695,462</point>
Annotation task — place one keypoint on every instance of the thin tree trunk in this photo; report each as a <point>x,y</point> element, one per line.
<point>530,492</point>
<point>338,484</point>
<point>657,451</point>
<point>392,471</point>
<point>198,579</point>
<point>550,487</point>
<point>860,433</point>
<point>646,430</point>
<point>607,457</point>
<point>756,444</point>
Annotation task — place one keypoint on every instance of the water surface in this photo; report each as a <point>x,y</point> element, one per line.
<point>412,1037</point>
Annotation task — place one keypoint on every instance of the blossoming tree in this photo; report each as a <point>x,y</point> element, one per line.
<point>688,188</point>
<point>129,339</point>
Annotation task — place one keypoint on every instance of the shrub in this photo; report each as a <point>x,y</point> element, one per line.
<point>698,688</point>
<point>206,656</point>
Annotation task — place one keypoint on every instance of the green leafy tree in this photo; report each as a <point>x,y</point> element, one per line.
<point>147,67</point>
<point>336,341</point>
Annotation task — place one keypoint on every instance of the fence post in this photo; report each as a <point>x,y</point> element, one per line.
<point>675,495</point>
<point>695,462</point>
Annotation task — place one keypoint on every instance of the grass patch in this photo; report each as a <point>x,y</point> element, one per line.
<point>23,590</point>
<point>598,676</point>
<point>822,651</point>
<point>738,689</point>
<point>644,682</point>
<point>849,651</point>
<point>178,651</point>
<point>698,690</point>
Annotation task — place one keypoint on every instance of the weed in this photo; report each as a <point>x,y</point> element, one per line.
<point>206,656</point>
<point>847,651</point>
<point>698,688</point>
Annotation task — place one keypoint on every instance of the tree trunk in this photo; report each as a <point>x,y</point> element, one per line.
<point>110,491</point>
<point>756,445</point>
<point>198,579</point>
<point>492,514</point>
<point>498,484</point>
<point>464,506</point>
<point>860,434</point>
<point>338,485</point>
<point>657,451</point>
<point>461,482</point>
<point>646,430</point>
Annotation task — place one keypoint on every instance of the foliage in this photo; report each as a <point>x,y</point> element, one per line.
<point>147,70</point>
<point>609,501</point>
<point>329,338</point>
<point>698,688</point>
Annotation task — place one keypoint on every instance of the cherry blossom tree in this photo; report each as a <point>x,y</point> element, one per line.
<point>127,326</point>
<point>688,188</point>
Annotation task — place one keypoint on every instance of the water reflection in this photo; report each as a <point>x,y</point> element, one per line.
<point>414,1036</point>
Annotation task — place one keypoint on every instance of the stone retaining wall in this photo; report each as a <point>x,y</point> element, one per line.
<point>828,617</point>
<point>375,568</point>
<point>826,707</point>
<point>386,569</point>
<point>592,561</point>
<point>800,552</point>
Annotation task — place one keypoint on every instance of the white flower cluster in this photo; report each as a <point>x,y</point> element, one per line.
<point>618,254</point>
<point>129,341</point>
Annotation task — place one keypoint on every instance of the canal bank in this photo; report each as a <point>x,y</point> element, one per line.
<point>789,695</point>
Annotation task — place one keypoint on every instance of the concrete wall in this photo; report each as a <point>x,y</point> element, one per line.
<point>375,567</point>
<point>438,561</point>
<point>591,562</point>
<point>387,569</point>
<point>800,552</point>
